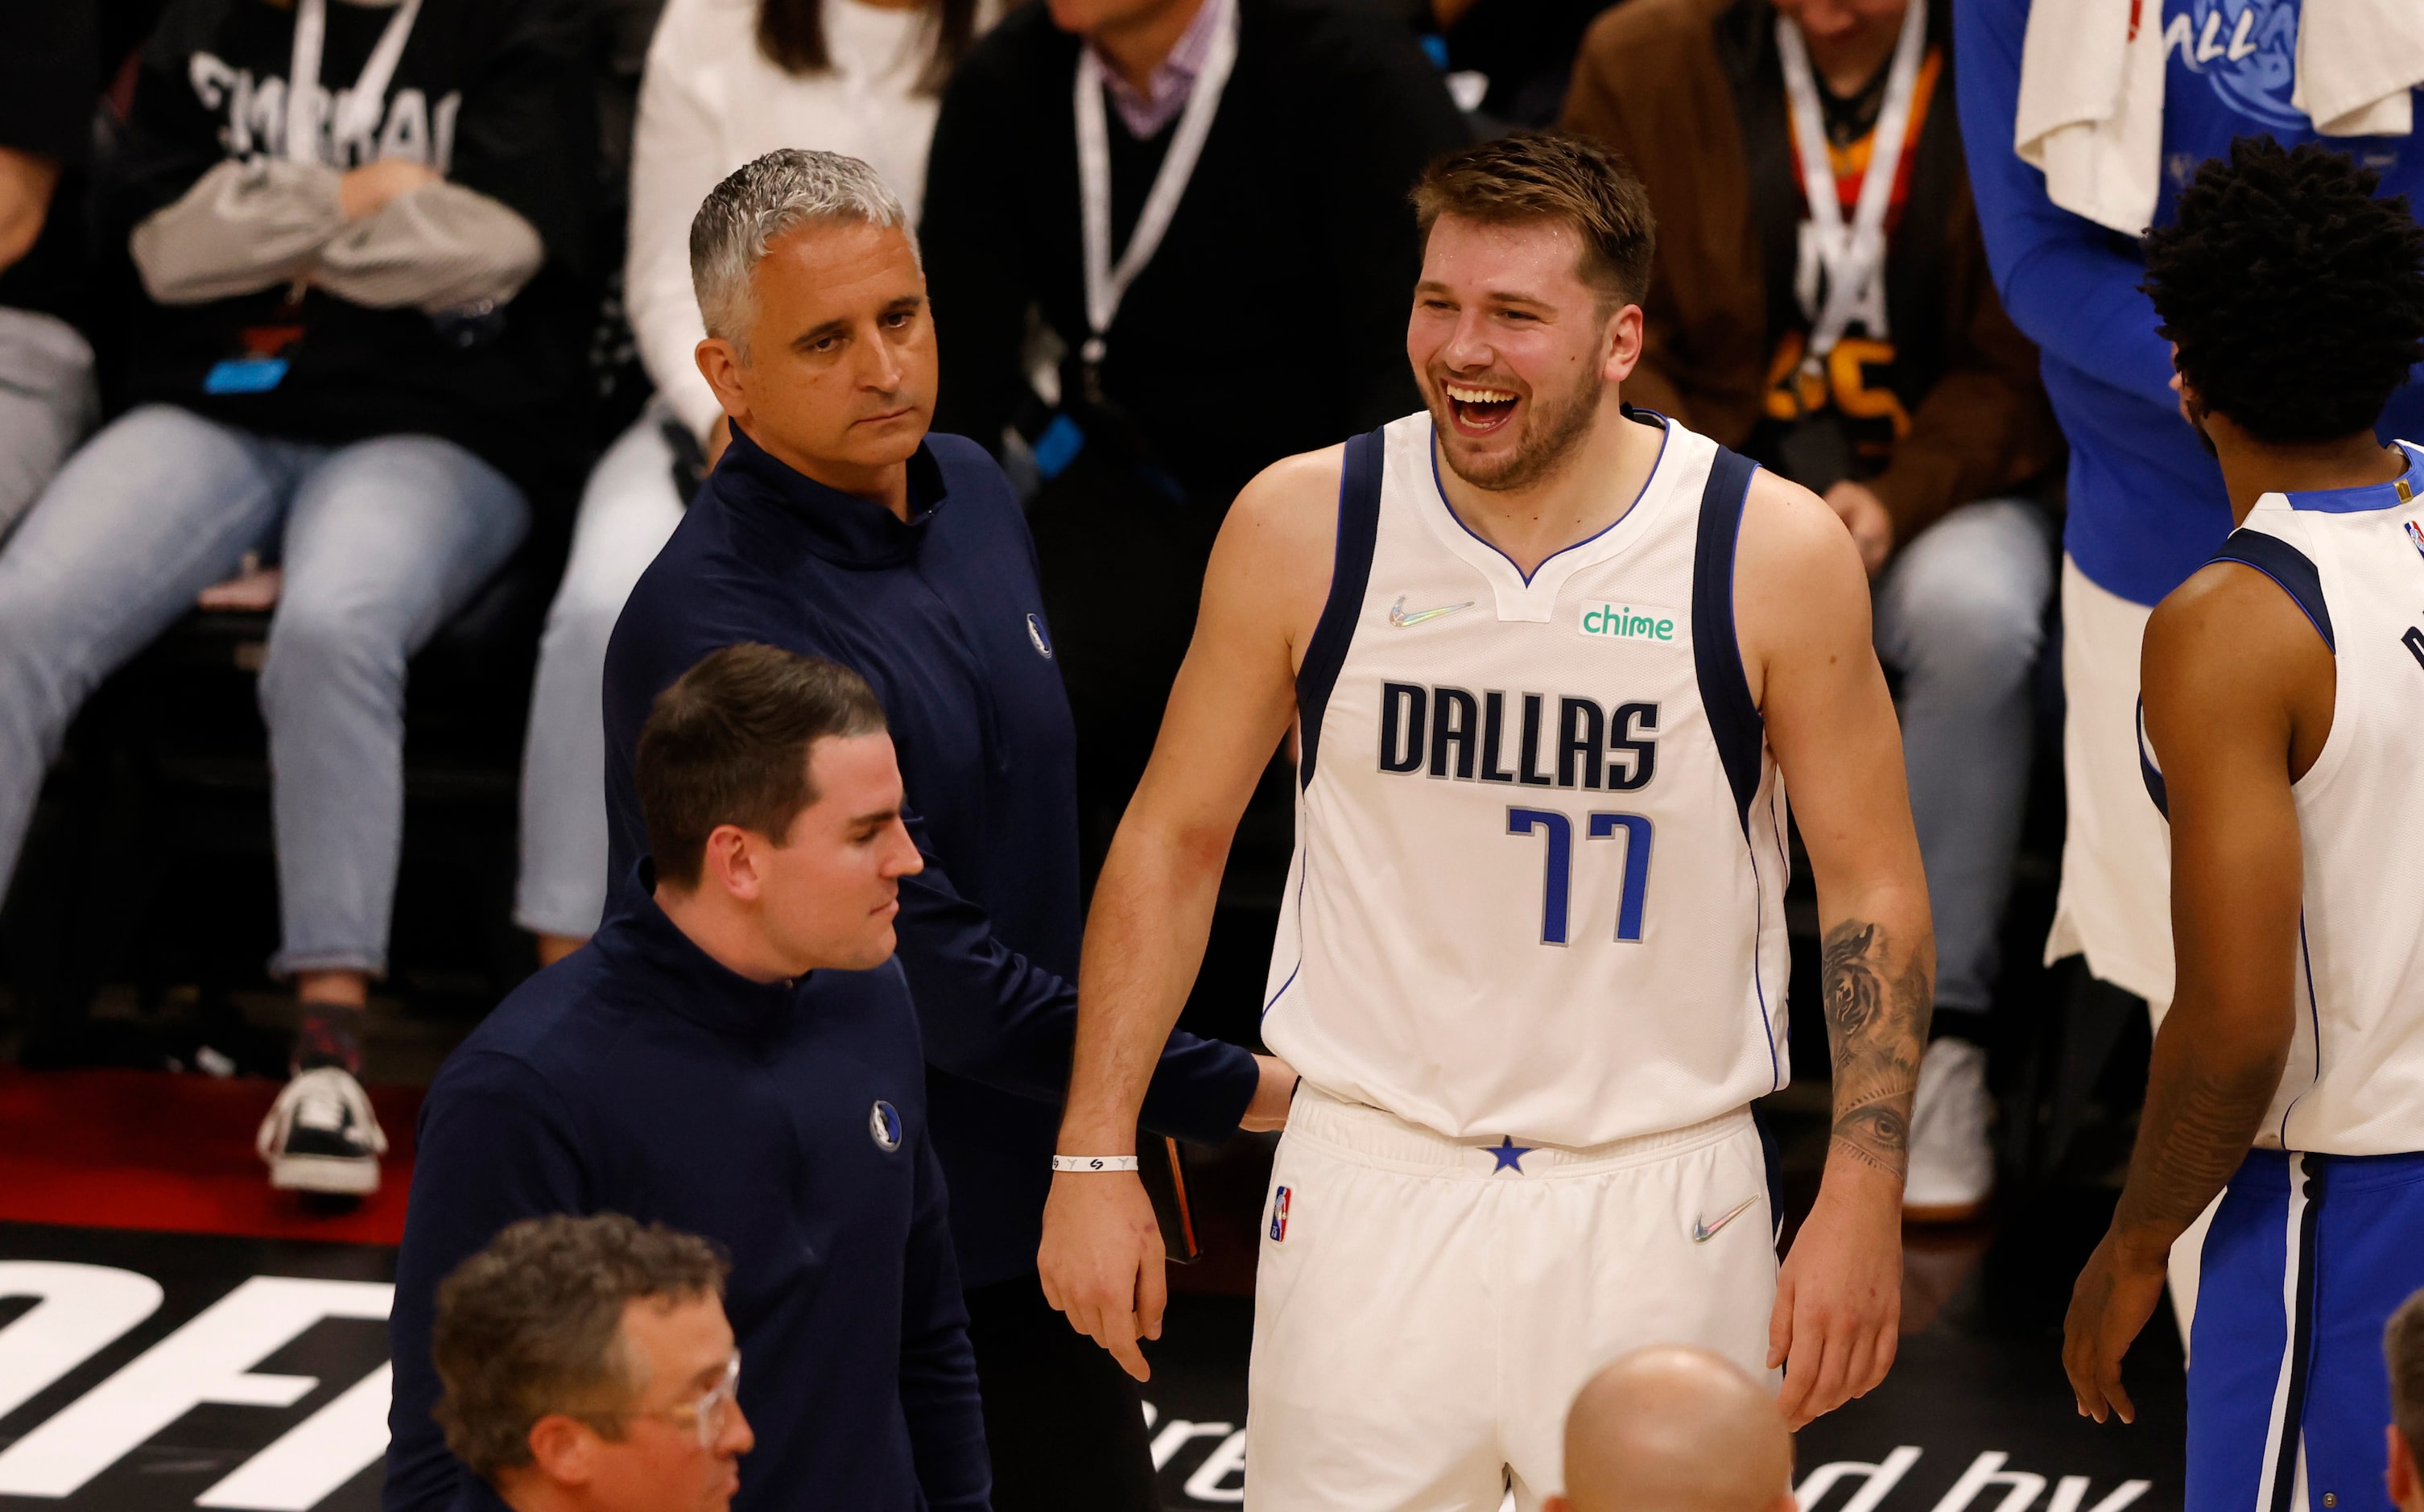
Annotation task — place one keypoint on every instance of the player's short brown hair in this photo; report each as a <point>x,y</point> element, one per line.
<point>2402,1347</point>
<point>1538,176</point>
<point>727,743</point>
<point>533,1326</point>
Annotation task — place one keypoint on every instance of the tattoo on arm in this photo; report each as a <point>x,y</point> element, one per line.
<point>2197,1129</point>
<point>1876,1025</point>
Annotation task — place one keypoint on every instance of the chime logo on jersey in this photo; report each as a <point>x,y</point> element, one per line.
<point>1279,1214</point>
<point>1605,621</point>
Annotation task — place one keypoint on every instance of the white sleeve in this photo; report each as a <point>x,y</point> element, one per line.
<point>439,247</point>
<point>677,157</point>
<point>244,226</point>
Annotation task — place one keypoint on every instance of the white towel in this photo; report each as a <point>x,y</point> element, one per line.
<point>2091,112</point>
<point>2357,59</point>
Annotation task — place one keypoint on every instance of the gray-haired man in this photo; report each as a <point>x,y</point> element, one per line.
<point>589,1367</point>
<point>836,526</point>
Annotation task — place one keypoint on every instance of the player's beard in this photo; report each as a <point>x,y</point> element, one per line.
<point>1552,433</point>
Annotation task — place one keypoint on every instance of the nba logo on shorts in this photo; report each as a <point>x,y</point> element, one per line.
<point>1279,1214</point>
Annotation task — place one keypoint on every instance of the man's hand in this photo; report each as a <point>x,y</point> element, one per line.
<point>371,188</point>
<point>2115,1295</point>
<point>26,180</point>
<point>1837,1314</point>
<point>1866,516</point>
<point>1102,1262</point>
<point>1272,1094</point>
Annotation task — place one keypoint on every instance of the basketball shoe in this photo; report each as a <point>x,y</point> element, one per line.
<point>322,1136</point>
<point>1952,1164</point>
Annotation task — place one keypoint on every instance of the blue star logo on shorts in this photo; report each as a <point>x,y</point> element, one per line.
<point>1510,1155</point>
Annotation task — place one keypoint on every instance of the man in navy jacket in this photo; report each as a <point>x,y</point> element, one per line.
<point>735,1054</point>
<point>834,525</point>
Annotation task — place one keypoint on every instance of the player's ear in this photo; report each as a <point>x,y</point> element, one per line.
<point>1621,348</point>
<point>2401,1480</point>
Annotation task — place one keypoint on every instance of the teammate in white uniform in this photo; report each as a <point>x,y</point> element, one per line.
<point>2283,719</point>
<point>1550,663</point>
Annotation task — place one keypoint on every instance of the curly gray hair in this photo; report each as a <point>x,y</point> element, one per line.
<point>772,197</point>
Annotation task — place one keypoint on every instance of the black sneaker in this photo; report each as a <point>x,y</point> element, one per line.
<point>322,1136</point>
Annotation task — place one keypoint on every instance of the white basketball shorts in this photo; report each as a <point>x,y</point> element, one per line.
<point>1427,1308</point>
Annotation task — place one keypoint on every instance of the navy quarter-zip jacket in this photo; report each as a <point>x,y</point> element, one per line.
<point>787,1122</point>
<point>943,618</point>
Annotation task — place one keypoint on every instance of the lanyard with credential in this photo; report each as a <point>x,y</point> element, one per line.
<point>360,107</point>
<point>1107,284</point>
<point>1854,255</point>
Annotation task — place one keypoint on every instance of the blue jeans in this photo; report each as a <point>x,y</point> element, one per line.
<point>626,511</point>
<point>1960,615</point>
<point>381,542</point>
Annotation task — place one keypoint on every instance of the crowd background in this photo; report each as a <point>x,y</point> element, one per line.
<point>336,426</point>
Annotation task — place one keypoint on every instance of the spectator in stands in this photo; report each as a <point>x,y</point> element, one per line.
<point>2062,218</point>
<point>735,1056</point>
<point>2402,1347</point>
<point>49,85</point>
<point>837,526</point>
<point>1518,55</point>
<point>1679,1430</point>
<point>1861,353</point>
<point>1222,130</point>
<point>357,226</point>
<point>588,1367</point>
<point>727,81</point>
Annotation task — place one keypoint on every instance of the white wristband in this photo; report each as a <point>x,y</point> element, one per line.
<point>1094,1162</point>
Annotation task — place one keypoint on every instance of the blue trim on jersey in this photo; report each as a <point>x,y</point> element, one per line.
<point>2354,1252</point>
<point>1351,572</point>
<point>1299,959</point>
<point>2290,568</point>
<point>1667,430</point>
<point>2363,498</point>
<point>1734,718</point>
<point>2314,1025</point>
<point>1766,1020</point>
<point>2152,774</point>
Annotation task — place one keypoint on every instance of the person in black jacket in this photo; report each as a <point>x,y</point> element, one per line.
<point>734,1055</point>
<point>1293,217</point>
<point>357,223</point>
<point>48,83</point>
<point>835,525</point>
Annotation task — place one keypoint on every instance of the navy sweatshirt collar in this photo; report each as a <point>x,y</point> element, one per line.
<point>843,529</point>
<point>663,965</point>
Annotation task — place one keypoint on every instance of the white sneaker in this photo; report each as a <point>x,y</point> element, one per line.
<point>1952,1166</point>
<point>322,1136</point>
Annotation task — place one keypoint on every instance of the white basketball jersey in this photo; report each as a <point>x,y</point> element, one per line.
<point>2353,560</point>
<point>1541,860</point>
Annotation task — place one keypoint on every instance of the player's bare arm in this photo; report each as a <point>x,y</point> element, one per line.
<point>2238,689</point>
<point>1801,607</point>
<point>1229,709</point>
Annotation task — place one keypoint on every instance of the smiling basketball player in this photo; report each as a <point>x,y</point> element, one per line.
<point>1551,661</point>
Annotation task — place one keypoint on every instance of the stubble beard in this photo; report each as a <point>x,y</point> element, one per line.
<point>1553,434</point>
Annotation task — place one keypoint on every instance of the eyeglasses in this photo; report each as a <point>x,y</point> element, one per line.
<point>708,1415</point>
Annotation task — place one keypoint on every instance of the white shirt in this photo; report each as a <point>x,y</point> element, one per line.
<point>709,102</point>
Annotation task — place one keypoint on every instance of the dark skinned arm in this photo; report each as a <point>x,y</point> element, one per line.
<point>2238,690</point>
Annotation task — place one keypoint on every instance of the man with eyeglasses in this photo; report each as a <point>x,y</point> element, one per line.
<point>588,1367</point>
<point>735,1056</point>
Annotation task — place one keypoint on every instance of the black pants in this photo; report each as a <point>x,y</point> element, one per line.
<point>1121,565</point>
<point>1063,1419</point>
